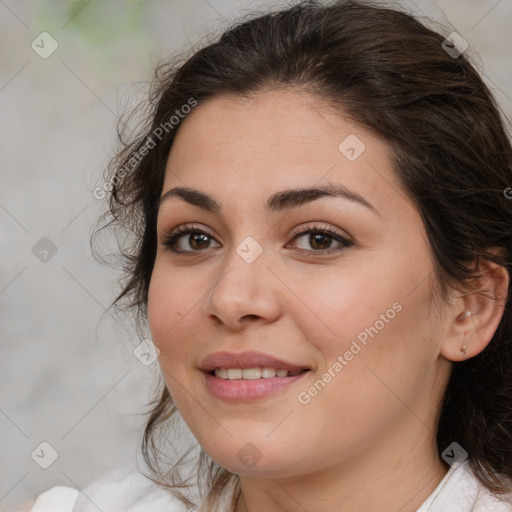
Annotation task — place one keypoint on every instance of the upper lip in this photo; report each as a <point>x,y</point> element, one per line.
<point>248,359</point>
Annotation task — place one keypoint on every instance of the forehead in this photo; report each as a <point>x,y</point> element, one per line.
<point>288,123</point>
<point>274,140</point>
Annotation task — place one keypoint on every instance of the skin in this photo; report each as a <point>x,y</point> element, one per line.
<point>367,440</point>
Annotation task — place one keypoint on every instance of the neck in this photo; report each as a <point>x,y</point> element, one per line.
<point>399,484</point>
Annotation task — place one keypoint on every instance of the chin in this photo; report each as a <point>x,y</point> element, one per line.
<point>249,458</point>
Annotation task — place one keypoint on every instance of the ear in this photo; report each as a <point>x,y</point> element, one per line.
<point>477,314</point>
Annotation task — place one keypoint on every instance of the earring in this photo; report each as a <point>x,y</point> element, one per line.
<point>461,317</point>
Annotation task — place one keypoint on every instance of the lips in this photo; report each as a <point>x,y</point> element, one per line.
<point>248,359</point>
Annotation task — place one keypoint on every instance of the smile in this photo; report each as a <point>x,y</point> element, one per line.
<point>238,389</point>
<point>253,373</point>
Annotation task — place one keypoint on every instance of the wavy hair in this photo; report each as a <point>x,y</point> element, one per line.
<point>391,74</point>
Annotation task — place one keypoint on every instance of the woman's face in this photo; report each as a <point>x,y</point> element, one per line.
<point>335,283</point>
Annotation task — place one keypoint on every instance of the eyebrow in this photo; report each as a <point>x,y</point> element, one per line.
<point>284,200</point>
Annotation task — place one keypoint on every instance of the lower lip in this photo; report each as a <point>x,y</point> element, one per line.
<point>244,390</point>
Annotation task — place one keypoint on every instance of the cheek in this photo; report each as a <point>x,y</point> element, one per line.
<point>371,319</point>
<point>170,317</point>
<point>338,308</point>
<point>169,305</point>
<point>158,304</point>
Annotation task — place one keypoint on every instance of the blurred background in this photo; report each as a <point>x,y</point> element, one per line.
<point>73,380</point>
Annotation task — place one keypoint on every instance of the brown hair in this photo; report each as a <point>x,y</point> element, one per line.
<point>391,74</point>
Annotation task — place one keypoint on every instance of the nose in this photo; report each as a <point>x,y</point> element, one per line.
<point>244,293</point>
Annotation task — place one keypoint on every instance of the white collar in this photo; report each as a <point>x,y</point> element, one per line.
<point>461,491</point>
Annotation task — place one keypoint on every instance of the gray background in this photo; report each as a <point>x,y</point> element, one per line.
<point>68,375</point>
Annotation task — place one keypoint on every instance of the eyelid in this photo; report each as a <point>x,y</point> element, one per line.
<point>171,236</point>
<point>316,226</point>
<point>344,242</point>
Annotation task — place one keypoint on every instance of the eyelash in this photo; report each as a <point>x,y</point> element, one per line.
<point>171,238</point>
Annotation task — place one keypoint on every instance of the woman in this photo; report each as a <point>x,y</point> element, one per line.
<point>322,251</point>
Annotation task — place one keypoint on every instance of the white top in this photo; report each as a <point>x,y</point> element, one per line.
<point>131,491</point>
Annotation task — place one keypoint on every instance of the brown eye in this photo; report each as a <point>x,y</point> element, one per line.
<point>320,239</point>
<point>198,241</point>
<point>186,239</point>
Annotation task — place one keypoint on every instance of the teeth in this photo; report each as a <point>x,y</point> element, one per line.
<point>234,373</point>
<point>268,372</point>
<point>221,372</point>
<point>252,373</point>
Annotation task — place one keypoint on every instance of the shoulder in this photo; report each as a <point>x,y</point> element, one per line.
<point>116,491</point>
<point>461,491</point>
<point>486,501</point>
<point>480,497</point>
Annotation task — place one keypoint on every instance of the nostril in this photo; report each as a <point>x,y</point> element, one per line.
<point>251,317</point>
